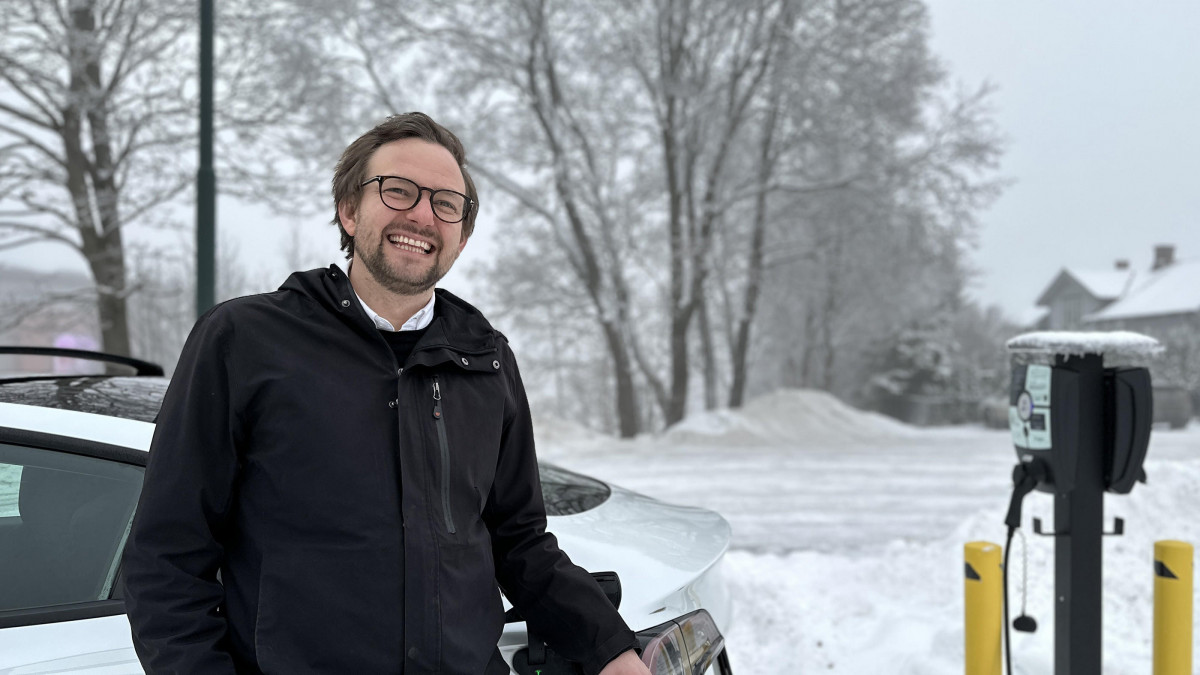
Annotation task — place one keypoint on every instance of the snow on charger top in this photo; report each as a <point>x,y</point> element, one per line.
<point>1120,344</point>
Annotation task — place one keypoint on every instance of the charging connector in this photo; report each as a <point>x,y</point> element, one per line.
<point>1026,477</point>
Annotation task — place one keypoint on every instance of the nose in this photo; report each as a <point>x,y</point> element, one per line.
<point>424,205</point>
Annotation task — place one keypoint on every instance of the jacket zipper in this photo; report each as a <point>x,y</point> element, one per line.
<point>400,430</point>
<point>440,421</point>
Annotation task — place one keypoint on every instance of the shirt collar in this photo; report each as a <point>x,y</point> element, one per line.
<point>421,319</point>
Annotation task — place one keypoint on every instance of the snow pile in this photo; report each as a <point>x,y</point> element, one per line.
<point>900,611</point>
<point>799,416</point>
<point>1118,343</point>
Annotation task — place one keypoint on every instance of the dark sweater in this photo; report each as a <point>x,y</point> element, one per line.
<point>402,342</point>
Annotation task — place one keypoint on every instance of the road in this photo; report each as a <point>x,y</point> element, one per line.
<point>840,495</point>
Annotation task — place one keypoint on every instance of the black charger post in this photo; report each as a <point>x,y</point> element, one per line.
<point>1079,429</point>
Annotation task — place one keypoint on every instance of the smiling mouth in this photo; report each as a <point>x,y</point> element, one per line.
<point>409,244</point>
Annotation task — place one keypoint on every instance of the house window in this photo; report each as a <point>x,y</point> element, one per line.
<point>1071,311</point>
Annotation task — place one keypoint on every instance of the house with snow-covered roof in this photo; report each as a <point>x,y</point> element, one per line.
<point>1155,301</point>
<point>1164,300</point>
<point>1077,293</point>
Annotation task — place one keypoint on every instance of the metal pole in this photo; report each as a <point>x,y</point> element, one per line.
<point>1078,524</point>
<point>206,180</point>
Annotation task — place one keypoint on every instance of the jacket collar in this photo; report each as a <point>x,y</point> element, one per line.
<point>458,332</point>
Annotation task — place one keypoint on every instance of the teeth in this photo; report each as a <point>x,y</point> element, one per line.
<point>401,239</point>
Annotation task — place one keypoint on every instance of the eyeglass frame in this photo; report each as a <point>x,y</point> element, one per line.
<point>468,203</point>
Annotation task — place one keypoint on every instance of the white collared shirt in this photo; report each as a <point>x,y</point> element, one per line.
<point>417,321</point>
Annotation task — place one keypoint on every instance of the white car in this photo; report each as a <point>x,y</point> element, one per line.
<point>72,455</point>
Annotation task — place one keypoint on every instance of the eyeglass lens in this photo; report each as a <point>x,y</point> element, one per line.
<point>402,194</point>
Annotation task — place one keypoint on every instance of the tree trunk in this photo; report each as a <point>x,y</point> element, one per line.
<point>680,318</point>
<point>677,403</point>
<point>754,264</point>
<point>828,309</point>
<point>628,414</point>
<point>92,181</point>
<point>830,355</point>
<point>810,345</point>
<point>707,352</point>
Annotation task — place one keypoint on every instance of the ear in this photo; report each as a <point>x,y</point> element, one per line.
<point>462,244</point>
<point>346,214</point>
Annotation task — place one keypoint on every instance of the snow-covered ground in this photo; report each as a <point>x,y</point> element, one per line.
<point>849,530</point>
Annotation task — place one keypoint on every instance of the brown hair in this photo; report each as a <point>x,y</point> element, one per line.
<point>351,169</point>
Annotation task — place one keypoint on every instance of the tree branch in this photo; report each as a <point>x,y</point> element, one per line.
<point>33,143</point>
<point>7,68</point>
<point>40,232</point>
<point>51,125</point>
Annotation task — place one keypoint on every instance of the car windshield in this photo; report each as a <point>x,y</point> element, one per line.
<point>63,523</point>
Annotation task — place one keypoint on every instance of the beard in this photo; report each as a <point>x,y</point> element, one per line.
<point>406,280</point>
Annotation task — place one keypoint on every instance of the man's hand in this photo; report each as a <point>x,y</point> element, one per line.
<point>626,664</point>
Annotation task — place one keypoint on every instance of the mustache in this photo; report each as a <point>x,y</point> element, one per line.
<point>430,234</point>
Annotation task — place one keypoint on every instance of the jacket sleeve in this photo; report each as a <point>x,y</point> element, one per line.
<point>558,599</point>
<point>172,594</point>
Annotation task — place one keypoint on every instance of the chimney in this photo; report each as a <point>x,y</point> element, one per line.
<point>1122,264</point>
<point>1164,254</point>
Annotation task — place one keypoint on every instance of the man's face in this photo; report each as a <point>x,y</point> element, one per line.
<point>406,252</point>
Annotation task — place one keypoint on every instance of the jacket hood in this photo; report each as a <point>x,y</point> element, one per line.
<point>457,325</point>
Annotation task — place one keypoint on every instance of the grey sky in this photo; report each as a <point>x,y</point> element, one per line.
<point>1101,102</point>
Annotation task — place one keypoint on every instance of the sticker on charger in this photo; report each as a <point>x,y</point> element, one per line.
<point>1029,417</point>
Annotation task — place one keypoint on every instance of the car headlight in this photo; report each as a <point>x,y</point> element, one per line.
<point>687,645</point>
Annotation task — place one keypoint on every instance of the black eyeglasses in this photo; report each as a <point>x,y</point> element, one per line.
<point>401,194</point>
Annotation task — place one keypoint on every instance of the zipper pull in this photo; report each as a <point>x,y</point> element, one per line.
<point>437,399</point>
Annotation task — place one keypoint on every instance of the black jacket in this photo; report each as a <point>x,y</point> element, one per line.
<point>360,514</point>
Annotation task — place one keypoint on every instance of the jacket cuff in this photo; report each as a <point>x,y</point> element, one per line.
<point>610,649</point>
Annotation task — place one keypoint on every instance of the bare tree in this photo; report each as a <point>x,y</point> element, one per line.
<point>570,156</point>
<point>84,103</point>
<point>652,169</point>
<point>701,65</point>
<point>97,124</point>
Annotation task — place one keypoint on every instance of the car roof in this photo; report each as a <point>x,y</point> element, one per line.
<point>131,398</point>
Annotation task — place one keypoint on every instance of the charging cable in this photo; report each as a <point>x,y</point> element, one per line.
<point>1026,477</point>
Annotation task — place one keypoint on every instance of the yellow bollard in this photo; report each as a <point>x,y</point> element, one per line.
<point>983,594</point>
<point>1172,608</point>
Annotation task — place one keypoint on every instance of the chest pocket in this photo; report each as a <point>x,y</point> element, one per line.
<point>467,416</point>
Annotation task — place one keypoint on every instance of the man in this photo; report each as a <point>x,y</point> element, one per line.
<point>360,490</point>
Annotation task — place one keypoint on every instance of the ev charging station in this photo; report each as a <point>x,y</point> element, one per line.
<point>1080,415</point>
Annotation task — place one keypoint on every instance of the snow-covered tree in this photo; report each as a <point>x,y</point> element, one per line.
<point>98,124</point>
